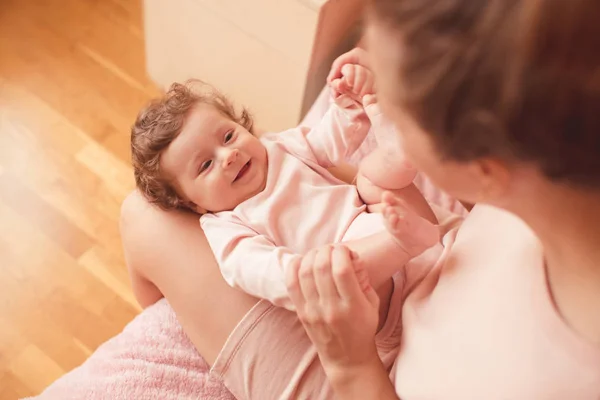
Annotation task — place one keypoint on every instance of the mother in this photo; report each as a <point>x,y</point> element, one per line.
<point>498,103</point>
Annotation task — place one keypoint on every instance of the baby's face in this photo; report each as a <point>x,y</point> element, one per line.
<point>215,163</point>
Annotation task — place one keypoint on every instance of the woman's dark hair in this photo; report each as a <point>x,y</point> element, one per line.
<point>515,79</point>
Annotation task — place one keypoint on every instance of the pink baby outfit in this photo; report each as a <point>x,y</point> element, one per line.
<point>302,206</point>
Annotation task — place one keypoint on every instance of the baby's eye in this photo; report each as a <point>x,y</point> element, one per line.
<point>228,136</point>
<point>204,166</point>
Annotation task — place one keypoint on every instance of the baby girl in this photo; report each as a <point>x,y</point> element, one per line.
<point>265,202</point>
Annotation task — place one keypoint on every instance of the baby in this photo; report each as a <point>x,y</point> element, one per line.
<point>266,201</point>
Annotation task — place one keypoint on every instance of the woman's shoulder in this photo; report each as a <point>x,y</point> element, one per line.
<point>487,238</point>
<point>485,309</point>
<point>489,226</point>
<point>490,239</point>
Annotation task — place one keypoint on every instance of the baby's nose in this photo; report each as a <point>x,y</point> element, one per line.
<point>230,157</point>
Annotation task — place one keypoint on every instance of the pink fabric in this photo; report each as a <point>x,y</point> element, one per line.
<point>151,359</point>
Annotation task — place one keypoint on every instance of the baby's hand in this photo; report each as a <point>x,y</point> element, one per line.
<point>356,81</point>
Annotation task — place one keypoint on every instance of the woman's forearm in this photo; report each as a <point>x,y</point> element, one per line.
<point>366,382</point>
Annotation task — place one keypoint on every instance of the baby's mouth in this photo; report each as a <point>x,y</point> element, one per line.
<point>243,170</point>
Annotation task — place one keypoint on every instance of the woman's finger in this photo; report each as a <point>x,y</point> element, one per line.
<point>307,279</point>
<point>344,274</point>
<point>324,278</point>
<point>371,295</point>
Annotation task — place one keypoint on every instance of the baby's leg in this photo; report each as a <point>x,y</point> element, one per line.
<point>407,228</point>
<point>384,171</point>
<point>385,252</point>
<point>378,174</point>
<point>167,251</point>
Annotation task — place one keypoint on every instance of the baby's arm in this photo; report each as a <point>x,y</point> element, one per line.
<point>339,133</point>
<point>256,265</point>
<point>345,125</point>
<point>248,260</point>
<point>384,169</point>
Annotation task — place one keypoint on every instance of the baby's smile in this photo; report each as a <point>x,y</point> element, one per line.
<point>243,171</point>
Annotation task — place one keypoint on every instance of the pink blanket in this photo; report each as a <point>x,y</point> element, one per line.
<point>153,359</point>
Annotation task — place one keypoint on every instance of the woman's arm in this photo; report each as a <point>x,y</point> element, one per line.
<point>339,310</point>
<point>370,381</point>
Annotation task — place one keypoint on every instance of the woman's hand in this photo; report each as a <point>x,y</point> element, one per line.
<point>337,306</point>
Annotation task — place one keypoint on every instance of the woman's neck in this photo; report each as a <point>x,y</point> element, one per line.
<point>567,221</point>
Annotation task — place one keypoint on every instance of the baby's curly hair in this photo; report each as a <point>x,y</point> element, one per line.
<point>159,123</point>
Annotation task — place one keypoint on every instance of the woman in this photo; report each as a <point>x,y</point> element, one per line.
<point>497,103</point>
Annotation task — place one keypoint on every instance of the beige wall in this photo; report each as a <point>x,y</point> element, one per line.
<point>270,55</point>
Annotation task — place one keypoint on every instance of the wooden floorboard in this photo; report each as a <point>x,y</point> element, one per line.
<point>72,79</point>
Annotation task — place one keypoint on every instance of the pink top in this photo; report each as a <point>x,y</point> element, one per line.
<point>481,323</point>
<point>302,207</point>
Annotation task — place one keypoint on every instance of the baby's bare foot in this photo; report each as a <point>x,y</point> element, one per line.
<point>412,232</point>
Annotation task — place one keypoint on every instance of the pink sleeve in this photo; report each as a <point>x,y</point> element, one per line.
<point>336,137</point>
<point>248,260</point>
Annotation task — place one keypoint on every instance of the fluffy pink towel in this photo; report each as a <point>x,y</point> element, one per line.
<point>151,359</point>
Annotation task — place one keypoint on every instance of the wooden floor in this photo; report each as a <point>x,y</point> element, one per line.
<point>71,82</point>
